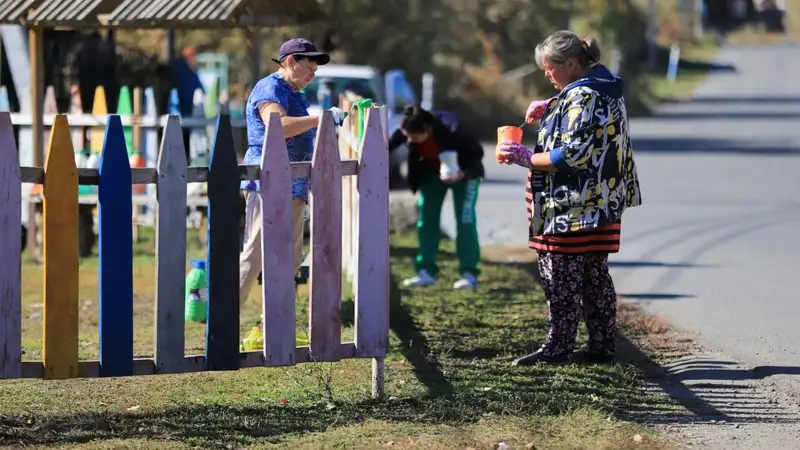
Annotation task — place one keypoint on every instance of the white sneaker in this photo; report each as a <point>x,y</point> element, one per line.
<point>467,281</point>
<point>423,278</point>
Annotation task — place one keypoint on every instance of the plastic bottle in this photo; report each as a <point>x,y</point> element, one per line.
<point>196,292</point>
<point>254,340</point>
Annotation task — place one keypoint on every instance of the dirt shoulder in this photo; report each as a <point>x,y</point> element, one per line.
<point>723,403</point>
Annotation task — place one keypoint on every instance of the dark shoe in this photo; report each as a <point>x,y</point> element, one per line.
<point>538,357</point>
<point>583,356</point>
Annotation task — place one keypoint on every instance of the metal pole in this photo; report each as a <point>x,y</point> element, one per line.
<point>255,55</point>
<point>169,46</point>
<point>570,9</point>
<point>652,36</point>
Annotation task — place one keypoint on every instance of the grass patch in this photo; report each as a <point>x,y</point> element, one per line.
<point>695,63</point>
<point>448,380</point>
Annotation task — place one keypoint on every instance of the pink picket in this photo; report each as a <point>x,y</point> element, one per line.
<point>278,304</point>
<point>325,304</point>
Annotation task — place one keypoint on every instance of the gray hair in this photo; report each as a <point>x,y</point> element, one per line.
<point>563,45</point>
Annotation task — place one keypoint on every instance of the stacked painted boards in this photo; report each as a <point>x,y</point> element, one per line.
<point>141,142</point>
<point>114,178</point>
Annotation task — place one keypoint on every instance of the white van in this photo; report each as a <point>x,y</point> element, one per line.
<point>391,89</point>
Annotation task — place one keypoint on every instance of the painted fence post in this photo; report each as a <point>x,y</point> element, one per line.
<point>170,251</point>
<point>222,332</point>
<point>49,106</point>
<point>277,236</point>
<point>11,255</point>
<point>372,290</point>
<point>125,109</point>
<point>115,274</point>
<point>61,258</point>
<point>99,108</point>
<point>325,299</point>
<point>345,152</point>
<point>76,107</point>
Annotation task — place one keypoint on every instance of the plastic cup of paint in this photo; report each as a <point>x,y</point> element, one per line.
<point>507,133</point>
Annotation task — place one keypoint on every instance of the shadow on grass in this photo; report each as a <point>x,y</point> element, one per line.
<point>214,425</point>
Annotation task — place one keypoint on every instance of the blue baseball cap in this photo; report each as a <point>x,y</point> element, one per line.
<point>301,47</point>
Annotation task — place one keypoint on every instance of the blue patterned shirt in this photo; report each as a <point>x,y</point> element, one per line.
<point>274,88</point>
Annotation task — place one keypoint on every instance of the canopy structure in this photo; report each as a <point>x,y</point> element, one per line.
<point>37,15</point>
<point>158,13</point>
<point>212,13</point>
<point>69,13</point>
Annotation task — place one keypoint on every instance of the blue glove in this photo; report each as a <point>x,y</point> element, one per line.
<point>338,115</point>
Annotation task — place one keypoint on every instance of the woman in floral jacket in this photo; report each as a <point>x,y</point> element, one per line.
<point>582,178</point>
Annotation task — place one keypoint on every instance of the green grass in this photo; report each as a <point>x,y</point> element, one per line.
<point>695,63</point>
<point>449,382</point>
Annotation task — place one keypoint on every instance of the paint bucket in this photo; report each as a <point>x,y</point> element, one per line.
<point>449,169</point>
<point>507,133</point>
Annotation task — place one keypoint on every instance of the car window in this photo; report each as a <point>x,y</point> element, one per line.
<point>338,85</point>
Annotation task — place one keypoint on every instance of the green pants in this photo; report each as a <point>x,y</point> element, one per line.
<point>431,197</point>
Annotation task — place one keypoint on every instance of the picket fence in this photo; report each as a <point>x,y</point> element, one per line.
<point>115,178</point>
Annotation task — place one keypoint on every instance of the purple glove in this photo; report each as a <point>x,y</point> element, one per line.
<point>513,153</point>
<point>536,110</point>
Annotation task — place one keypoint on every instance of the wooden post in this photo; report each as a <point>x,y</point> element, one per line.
<point>345,152</point>
<point>372,290</point>
<point>10,257</point>
<point>325,297</point>
<point>170,250</point>
<point>277,243</point>
<point>222,337</point>
<point>60,255</point>
<point>115,259</point>
<point>36,55</point>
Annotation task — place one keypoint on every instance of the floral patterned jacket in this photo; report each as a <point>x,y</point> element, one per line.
<point>585,129</point>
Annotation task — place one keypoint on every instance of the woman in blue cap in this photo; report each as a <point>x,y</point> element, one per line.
<point>280,92</point>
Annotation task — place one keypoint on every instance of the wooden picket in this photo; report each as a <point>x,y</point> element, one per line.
<point>222,338</point>
<point>325,311</point>
<point>170,258</point>
<point>99,108</point>
<point>372,289</point>
<point>60,252</point>
<point>115,261</point>
<point>10,256</point>
<point>115,179</point>
<point>277,240</point>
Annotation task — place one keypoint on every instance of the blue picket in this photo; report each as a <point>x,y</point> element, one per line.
<point>115,275</point>
<point>222,331</point>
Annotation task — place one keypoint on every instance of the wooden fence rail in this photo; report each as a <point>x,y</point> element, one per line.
<point>115,178</point>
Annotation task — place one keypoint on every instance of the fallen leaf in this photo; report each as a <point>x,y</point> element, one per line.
<point>284,400</point>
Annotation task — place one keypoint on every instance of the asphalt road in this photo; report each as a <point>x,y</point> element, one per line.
<point>711,249</point>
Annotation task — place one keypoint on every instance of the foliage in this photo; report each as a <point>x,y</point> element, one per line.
<point>468,44</point>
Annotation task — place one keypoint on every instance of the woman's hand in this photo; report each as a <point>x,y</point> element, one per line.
<point>536,111</point>
<point>510,152</point>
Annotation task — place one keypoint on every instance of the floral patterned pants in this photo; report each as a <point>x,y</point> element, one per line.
<point>573,284</point>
